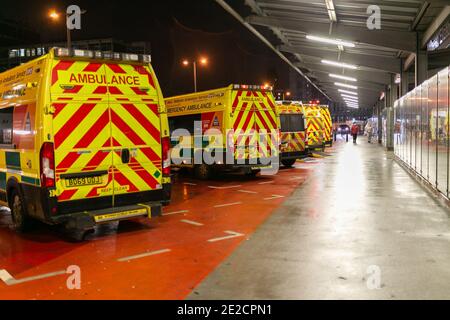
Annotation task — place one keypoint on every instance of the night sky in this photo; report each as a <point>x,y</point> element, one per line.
<point>176,29</point>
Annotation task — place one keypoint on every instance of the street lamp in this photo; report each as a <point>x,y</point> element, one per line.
<point>54,15</point>
<point>203,61</point>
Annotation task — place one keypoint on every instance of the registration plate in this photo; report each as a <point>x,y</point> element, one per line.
<point>83,181</point>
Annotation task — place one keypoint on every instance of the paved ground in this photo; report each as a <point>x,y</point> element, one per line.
<point>359,228</point>
<point>164,258</point>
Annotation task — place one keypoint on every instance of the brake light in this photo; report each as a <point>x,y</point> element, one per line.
<point>165,156</point>
<point>47,158</point>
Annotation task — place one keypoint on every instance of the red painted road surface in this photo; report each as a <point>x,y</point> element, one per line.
<point>162,258</point>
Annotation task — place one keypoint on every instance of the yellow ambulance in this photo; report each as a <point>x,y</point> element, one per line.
<point>293,141</point>
<point>315,127</point>
<point>328,125</point>
<point>84,139</point>
<point>236,126</point>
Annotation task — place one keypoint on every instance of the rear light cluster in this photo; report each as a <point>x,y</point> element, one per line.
<point>165,156</point>
<point>251,87</point>
<point>47,161</point>
<point>65,52</point>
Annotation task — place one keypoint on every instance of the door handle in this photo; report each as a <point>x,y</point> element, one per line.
<point>125,155</point>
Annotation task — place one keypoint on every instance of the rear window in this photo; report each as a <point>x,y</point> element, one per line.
<point>184,122</point>
<point>292,122</point>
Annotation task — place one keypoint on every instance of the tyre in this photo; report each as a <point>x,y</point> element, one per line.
<point>253,173</point>
<point>203,171</point>
<point>288,162</point>
<point>20,218</point>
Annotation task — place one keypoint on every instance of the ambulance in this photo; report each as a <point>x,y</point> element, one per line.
<point>328,125</point>
<point>293,142</point>
<point>84,139</point>
<point>237,127</point>
<point>315,127</point>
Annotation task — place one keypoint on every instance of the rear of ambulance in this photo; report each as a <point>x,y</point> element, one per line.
<point>255,127</point>
<point>107,157</point>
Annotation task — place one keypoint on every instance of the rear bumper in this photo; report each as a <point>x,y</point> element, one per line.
<point>317,146</point>
<point>89,219</point>
<point>294,155</point>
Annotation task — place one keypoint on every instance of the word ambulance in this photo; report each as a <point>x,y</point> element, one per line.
<point>90,78</point>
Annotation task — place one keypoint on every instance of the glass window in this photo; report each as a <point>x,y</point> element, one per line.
<point>6,125</point>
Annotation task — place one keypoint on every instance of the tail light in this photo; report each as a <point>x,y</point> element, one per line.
<point>165,156</point>
<point>47,158</point>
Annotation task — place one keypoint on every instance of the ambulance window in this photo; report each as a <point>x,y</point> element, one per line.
<point>284,119</point>
<point>184,122</point>
<point>297,123</point>
<point>6,125</point>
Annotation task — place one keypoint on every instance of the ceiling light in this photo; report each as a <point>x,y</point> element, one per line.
<point>331,10</point>
<point>345,85</point>
<point>331,41</point>
<point>348,96</point>
<point>342,77</point>
<point>353,107</point>
<point>340,64</point>
<point>349,92</point>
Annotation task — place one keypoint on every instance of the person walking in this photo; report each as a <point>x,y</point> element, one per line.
<point>354,131</point>
<point>369,131</point>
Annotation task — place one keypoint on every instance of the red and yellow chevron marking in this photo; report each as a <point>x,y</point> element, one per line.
<point>97,79</point>
<point>90,136</point>
<point>295,142</point>
<point>327,123</point>
<point>254,118</point>
<point>315,131</point>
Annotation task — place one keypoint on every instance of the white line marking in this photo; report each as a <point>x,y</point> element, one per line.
<point>296,178</point>
<point>9,279</point>
<point>274,196</point>
<point>227,204</point>
<point>228,187</point>
<point>232,234</point>
<point>175,212</point>
<point>143,255</point>
<point>190,183</point>
<point>266,182</point>
<point>247,191</point>
<point>192,222</point>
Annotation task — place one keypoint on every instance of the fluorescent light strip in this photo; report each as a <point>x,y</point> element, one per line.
<point>349,92</point>
<point>352,104</point>
<point>345,85</point>
<point>355,107</point>
<point>349,96</point>
<point>330,41</point>
<point>340,64</point>
<point>342,77</point>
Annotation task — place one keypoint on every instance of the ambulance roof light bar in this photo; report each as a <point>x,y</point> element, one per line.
<point>133,57</point>
<point>251,87</point>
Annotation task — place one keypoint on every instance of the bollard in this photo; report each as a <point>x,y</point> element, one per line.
<point>346,137</point>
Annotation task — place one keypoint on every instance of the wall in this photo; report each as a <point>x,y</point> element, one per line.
<point>421,130</point>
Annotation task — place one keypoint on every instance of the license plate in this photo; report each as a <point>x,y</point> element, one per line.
<point>83,181</point>
<point>121,215</point>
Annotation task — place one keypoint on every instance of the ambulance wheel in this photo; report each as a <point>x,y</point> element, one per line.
<point>253,173</point>
<point>288,162</point>
<point>202,171</point>
<point>20,218</point>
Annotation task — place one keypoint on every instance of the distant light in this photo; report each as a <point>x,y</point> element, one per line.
<point>342,77</point>
<point>330,41</point>
<point>288,93</point>
<point>349,92</point>
<point>204,61</point>
<point>339,84</point>
<point>340,64</point>
<point>53,14</point>
<point>185,62</point>
<point>348,96</point>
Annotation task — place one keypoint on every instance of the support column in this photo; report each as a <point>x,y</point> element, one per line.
<point>404,77</point>
<point>390,121</point>
<point>380,121</point>
<point>421,63</point>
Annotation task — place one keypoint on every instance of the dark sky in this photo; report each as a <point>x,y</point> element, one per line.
<point>177,29</point>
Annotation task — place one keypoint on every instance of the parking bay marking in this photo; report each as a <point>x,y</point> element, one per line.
<point>274,196</point>
<point>143,255</point>
<point>226,187</point>
<point>232,234</point>
<point>194,223</point>
<point>247,191</point>
<point>227,204</point>
<point>10,280</point>
<point>175,212</point>
<point>190,183</point>
<point>266,182</point>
